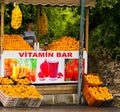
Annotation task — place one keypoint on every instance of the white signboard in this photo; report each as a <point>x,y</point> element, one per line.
<point>41,67</point>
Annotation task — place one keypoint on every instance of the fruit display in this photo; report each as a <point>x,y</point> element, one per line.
<point>100,93</point>
<point>94,93</point>
<point>16,17</point>
<point>43,24</point>
<point>20,91</point>
<point>71,70</point>
<point>64,44</point>
<point>9,81</point>
<point>6,81</point>
<point>24,81</point>
<point>15,42</point>
<point>93,79</point>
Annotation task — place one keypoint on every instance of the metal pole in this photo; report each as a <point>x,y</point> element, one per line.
<point>81,38</point>
<point>87,29</point>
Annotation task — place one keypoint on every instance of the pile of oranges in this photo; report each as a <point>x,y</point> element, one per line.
<point>20,91</point>
<point>10,81</point>
<point>64,44</point>
<point>93,79</point>
<point>15,42</point>
<point>100,93</point>
<point>6,81</point>
<point>23,81</point>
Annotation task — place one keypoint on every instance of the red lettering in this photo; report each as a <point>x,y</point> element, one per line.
<point>30,54</point>
<point>21,54</point>
<point>50,54</point>
<point>41,54</point>
<point>58,54</point>
<point>34,55</point>
<point>69,54</point>
<point>64,55</point>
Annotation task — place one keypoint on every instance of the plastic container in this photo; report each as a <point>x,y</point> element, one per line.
<point>35,46</point>
<point>9,101</point>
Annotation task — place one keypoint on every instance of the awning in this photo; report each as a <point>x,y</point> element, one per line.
<point>88,3</point>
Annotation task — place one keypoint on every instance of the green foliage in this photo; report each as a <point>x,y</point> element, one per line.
<point>62,21</point>
<point>104,29</point>
<point>106,3</point>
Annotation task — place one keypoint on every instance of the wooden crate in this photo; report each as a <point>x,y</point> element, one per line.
<point>91,99</point>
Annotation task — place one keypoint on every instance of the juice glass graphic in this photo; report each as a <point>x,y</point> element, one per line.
<point>15,71</point>
<point>53,69</point>
<point>21,69</point>
<point>26,69</point>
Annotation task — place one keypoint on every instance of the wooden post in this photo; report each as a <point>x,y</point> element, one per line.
<point>38,17</point>
<point>2,25</point>
<point>87,29</point>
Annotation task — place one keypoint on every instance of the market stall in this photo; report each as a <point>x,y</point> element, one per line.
<point>44,67</point>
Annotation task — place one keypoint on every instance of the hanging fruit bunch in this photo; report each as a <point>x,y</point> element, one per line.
<point>16,19</point>
<point>43,24</point>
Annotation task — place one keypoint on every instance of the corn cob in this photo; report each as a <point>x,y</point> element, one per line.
<point>43,24</point>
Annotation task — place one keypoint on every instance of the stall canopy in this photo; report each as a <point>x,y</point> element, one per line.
<point>52,2</point>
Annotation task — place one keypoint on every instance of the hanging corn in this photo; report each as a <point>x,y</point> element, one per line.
<point>16,18</point>
<point>43,24</point>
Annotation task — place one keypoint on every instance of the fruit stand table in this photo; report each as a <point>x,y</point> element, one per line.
<point>50,89</point>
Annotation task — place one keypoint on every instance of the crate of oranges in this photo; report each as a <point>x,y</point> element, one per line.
<point>91,79</point>
<point>96,96</point>
<point>20,96</point>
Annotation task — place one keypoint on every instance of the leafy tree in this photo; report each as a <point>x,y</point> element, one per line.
<point>104,29</point>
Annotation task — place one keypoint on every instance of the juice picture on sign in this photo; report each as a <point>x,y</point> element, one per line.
<point>19,68</point>
<point>53,69</point>
<point>8,66</point>
<point>71,70</point>
<point>50,71</point>
<point>15,71</point>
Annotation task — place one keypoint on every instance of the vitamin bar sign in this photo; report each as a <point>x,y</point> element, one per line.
<point>45,54</point>
<point>41,67</point>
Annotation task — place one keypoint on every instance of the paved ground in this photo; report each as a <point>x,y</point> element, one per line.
<point>70,108</point>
